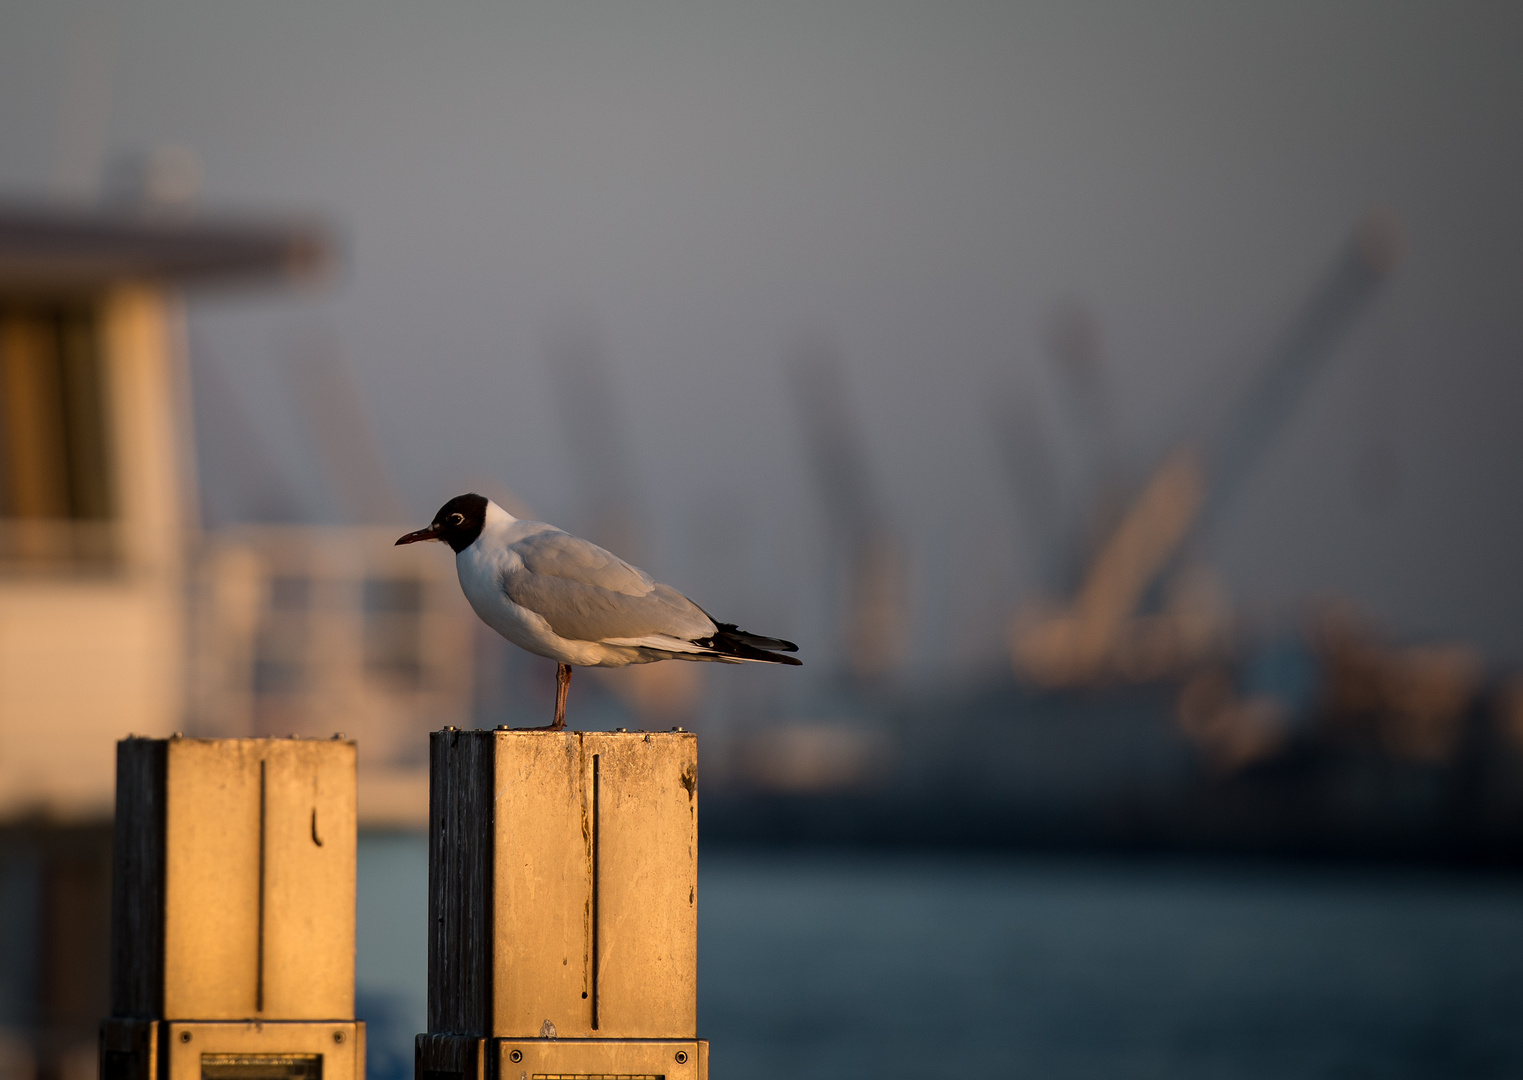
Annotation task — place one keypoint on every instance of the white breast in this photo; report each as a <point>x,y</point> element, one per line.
<point>481,567</point>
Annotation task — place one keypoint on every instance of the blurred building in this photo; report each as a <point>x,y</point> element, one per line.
<point>97,534</point>
<point>311,630</point>
<point>119,615</point>
<point>97,504</point>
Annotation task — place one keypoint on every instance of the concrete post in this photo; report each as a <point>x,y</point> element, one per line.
<point>233,912</point>
<point>562,906</point>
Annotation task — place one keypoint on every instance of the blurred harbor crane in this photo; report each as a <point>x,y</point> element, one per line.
<point>596,436</point>
<point>342,427</point>
<point>1064,525</point>
<point>1025,448</point>
<point>875,626</point>
<point>1141,715</point>
<point>250,486</point>
<point>601,451</point>
<point>1073,343</point>
<point>1107,631</point>
<point>1143,611</point>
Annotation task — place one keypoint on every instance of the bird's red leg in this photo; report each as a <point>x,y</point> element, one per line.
<point>562,684</point>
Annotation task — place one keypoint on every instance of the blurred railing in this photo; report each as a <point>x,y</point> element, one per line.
<point>50,546</point>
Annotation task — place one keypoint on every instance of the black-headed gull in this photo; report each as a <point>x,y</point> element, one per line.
<point>560,596</point>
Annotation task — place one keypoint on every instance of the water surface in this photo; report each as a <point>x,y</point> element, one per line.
<point>815,966</point>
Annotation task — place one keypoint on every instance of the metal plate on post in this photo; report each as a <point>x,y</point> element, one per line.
<point>602,1059</point>
<point>261,1067</point>
<point>299,1050</point>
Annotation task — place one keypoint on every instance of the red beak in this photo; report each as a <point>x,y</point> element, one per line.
<point>430,533</point>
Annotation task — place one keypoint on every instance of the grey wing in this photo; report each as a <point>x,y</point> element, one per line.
<point>588,594</point>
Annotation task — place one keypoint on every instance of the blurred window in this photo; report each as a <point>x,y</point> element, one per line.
<point>393,630</point>
<point>56,501</point>
<point>290,593</point>
<point>280,647</point>
<point>393,596</point>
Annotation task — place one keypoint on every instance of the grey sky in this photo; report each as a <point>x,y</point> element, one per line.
<point>710,182</point>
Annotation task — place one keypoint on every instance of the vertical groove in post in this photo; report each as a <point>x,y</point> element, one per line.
<point>596,785</point>
<point>259,963</point>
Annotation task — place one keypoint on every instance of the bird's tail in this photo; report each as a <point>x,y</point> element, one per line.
<point>729,641</point>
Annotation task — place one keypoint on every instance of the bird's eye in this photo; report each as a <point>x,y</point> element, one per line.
<point>457,519</point>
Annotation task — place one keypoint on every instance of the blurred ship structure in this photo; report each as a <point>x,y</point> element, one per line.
<point>98,510</point>
<point>1140,711</point>
<point>316,629</point>
<point>834,737</point>
<point>121,614</point>
<point>308,628</point>
<point>99,540</point>
<point>870,593</point>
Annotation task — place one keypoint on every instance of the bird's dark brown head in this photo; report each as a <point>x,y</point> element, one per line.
<point>457,523</point>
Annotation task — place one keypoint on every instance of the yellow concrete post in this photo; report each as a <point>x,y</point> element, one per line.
<point>233,912</point>
<point>562,905</point>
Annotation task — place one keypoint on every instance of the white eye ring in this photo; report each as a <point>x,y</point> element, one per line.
<point>457,519</point>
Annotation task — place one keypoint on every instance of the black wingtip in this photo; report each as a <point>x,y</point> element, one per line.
<point>756,641</point>
<point>730,640</point>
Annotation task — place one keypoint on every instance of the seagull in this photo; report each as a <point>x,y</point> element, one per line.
<point>560,596</point>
